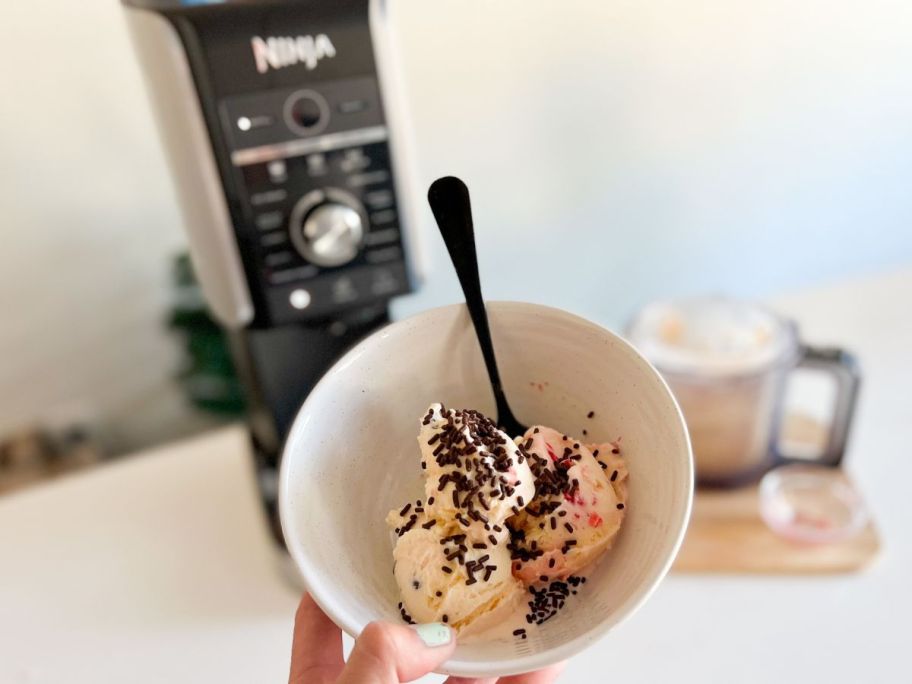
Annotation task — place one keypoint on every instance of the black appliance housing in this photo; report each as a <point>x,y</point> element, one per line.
<point>278,128</point>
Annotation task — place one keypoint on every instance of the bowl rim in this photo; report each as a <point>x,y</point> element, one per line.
<point>455,666</point>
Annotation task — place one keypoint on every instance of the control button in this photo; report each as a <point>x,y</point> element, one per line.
<point>383,283</point>
<point>343,290</point>
<point>278,258</point>
<point>382,236</point>
<point>316,164</point>
<point>380,256</point>
<point>354,160</point>
<point>248,123</point>
<point>292,274</point>
<point>379,199</point>
<point>280,237</point>
<point>277,170</point>
<point>269,221</point>
<point>327,227</point>
<point>268,197</point>
<point>357,180</point>
<point>384,216</point>
<point>299,298</point>
<point>352,106</point>
<point>306,112</point>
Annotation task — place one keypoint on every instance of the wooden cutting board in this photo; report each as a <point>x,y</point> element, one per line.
<point>727,535</point>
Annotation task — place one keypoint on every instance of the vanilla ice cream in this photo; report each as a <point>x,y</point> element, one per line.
<point>474,472</point>
<point>499,514</point>
<point>578,510</point>
<point>477,586</point>
<point>451,559</point>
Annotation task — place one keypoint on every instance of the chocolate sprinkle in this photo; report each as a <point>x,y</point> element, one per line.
<point>405,616</point>
<point>620,507</point>
<point>590,414</point>
<point>546,602</point>
<point>614,476</point>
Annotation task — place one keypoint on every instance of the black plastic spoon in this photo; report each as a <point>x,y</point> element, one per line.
<point>449,200</point>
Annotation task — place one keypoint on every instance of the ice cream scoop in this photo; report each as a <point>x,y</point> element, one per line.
<point>475,474</point>
<point>451,559</point>
<point>577,510</point>
<point>442,578</point>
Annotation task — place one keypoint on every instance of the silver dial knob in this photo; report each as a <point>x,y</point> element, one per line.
<point>327,227</point>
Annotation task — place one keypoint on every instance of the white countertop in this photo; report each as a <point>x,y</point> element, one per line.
<point>159,568</point>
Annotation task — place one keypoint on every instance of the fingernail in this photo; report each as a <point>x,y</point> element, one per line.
<point>434,634</point>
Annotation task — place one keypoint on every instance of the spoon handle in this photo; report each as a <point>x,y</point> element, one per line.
<point>449,200</point>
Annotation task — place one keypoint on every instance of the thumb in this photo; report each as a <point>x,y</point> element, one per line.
<point>389,654</point>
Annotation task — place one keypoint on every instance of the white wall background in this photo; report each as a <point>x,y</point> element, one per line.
<point>88,219</point>
<point>617,151</point>
<point>626,150</point>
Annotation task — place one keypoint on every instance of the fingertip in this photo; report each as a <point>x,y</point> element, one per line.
<point>547,675</point>
<point>309,611</point>
<point>407,652</point>
<point>435,634</point>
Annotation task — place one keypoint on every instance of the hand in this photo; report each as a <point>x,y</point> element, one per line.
<point>384,653</point>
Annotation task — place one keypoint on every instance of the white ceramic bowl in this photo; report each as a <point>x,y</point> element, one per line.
<point>352,455</point>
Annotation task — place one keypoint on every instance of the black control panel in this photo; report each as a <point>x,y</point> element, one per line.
<point>292,101</point>
<point>318,191</point>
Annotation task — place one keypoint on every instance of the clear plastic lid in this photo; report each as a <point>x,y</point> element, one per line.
<point>711,336</point>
